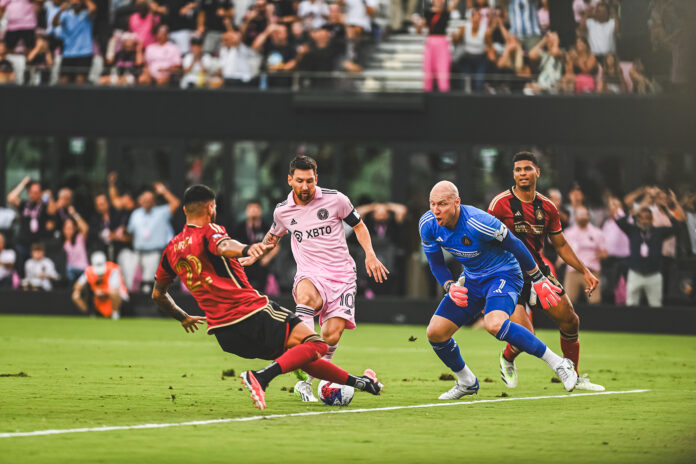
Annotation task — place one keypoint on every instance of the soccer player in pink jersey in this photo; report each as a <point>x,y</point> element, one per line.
<point>325,279</point>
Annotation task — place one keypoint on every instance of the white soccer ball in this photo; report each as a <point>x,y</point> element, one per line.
<point>333,394</point>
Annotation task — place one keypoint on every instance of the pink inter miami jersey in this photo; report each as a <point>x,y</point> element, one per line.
<point>317,234</point>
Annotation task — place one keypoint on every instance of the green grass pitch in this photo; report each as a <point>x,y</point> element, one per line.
<point>91,373</point>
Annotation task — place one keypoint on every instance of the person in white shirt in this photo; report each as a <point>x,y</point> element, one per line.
<point>196,66</point>
<point>313,13</point>
<point>7,261</point>
<point>601,31</point>
<point>39,271</point>
<point>236,60</point>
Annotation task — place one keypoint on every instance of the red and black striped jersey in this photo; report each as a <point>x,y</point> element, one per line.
<point>218,284</point>
<point>529,221</point>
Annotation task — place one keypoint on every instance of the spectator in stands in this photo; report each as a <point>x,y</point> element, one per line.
<point>584,66</point>
<point>601,30</point>
<point>646,257</point>
<point>21,23</point>
<point>102,225</point>
<point>576,199</point>
<point>581,8</point>
<point>53,33</point>
<point>689,205</point>
<point>251,230</point>
<point>524,22</point>
<point>472,58</point>
<point>180,16</point>
<point>162,59</point>
<point>313,13</point>
<point>298,34</point>
<point>151,230</point>
<point>642,84</point>
<point>39,62</point>
<point>256,21</point>
<point>78,48</point>
<point>284,11</point>
<point>106,285</point>
<point>39,271</point>
<point>144,21</point>
<point>615,265</point>
<point>126,63</point>
<point>514,63</point>
<point>358,20</point>
<point>664,207</point>
<point>63,204</point>
<point>588,243</point>
<point>320,57</point>
<point>436,57</point>
<point>337,28</point>
<point>75,231</point>
<point>7,263</point>
<point>121,241</point>
<point>612,80</point>
<point>196,65</point>
<point>547,53</point>
<point>278,53</point>
<point>385,223</point>
<point>215,17</point>
<point>235,61</point>
<point>7,75</point>
<point>543,16</point>
<point>34,213</point>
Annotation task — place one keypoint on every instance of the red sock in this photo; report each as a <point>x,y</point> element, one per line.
<point>510,352</point>
<point>325,370</point>
<point>571,350</point>
<point>297,356</point>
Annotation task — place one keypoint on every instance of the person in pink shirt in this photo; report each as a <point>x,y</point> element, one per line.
<point>161,59</point>
<point>75,231</point>
<point>21,23</point>
<point>325,279</point>
<point>143,22</point>
<point>615,266</point>
<point>588,243</point>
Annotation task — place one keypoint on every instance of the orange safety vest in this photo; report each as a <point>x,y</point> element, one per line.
<point>103,305</point>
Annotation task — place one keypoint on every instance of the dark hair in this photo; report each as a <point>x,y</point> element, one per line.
<point>525,156</point>
<point>645,209</point>
<point>198,194</point>
<point>38,246</point>
<point>302,162</point>
<point>75,234</point>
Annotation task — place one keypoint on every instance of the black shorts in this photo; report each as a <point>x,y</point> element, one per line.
<point>12,38</point>
<point>261,336</point>
<point>76,66</point>
<point>527,287</point>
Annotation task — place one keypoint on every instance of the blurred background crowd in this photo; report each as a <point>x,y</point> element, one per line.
<point>638,244</point>
<point>481,46</point>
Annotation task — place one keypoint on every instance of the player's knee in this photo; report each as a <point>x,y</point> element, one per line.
<point>493,326</point>
<point>308,299</point>
<point>320,346</point>
<point>436,334</point>
<point>332,338</point>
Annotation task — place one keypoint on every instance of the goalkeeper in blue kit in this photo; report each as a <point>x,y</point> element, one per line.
<point>491,282</point>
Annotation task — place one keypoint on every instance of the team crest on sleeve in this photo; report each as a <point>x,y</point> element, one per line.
<point>322,214</point>
<point>298,236</point>
<point>466,241</point>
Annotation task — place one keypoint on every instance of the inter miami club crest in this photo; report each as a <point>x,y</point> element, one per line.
<point>298,236</point>
<point>322,214</point>
<point>466,241</point>
<point>539,215</point>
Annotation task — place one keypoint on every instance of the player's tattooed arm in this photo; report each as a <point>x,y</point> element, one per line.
<point>233,249</point>
<point>166,303</point>
<point>271,240</point>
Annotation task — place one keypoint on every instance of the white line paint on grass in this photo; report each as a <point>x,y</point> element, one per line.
<point>300,414</point>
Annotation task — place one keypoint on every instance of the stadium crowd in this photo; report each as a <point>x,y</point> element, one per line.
<point>501,46</point>
<point>638,245</point>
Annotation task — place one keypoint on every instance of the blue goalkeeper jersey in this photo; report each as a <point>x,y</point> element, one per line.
<point>474,242</point>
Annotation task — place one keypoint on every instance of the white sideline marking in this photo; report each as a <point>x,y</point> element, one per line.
<point>297,414</point>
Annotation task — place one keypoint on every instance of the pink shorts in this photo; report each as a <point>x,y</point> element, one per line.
<point>338,298</point>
